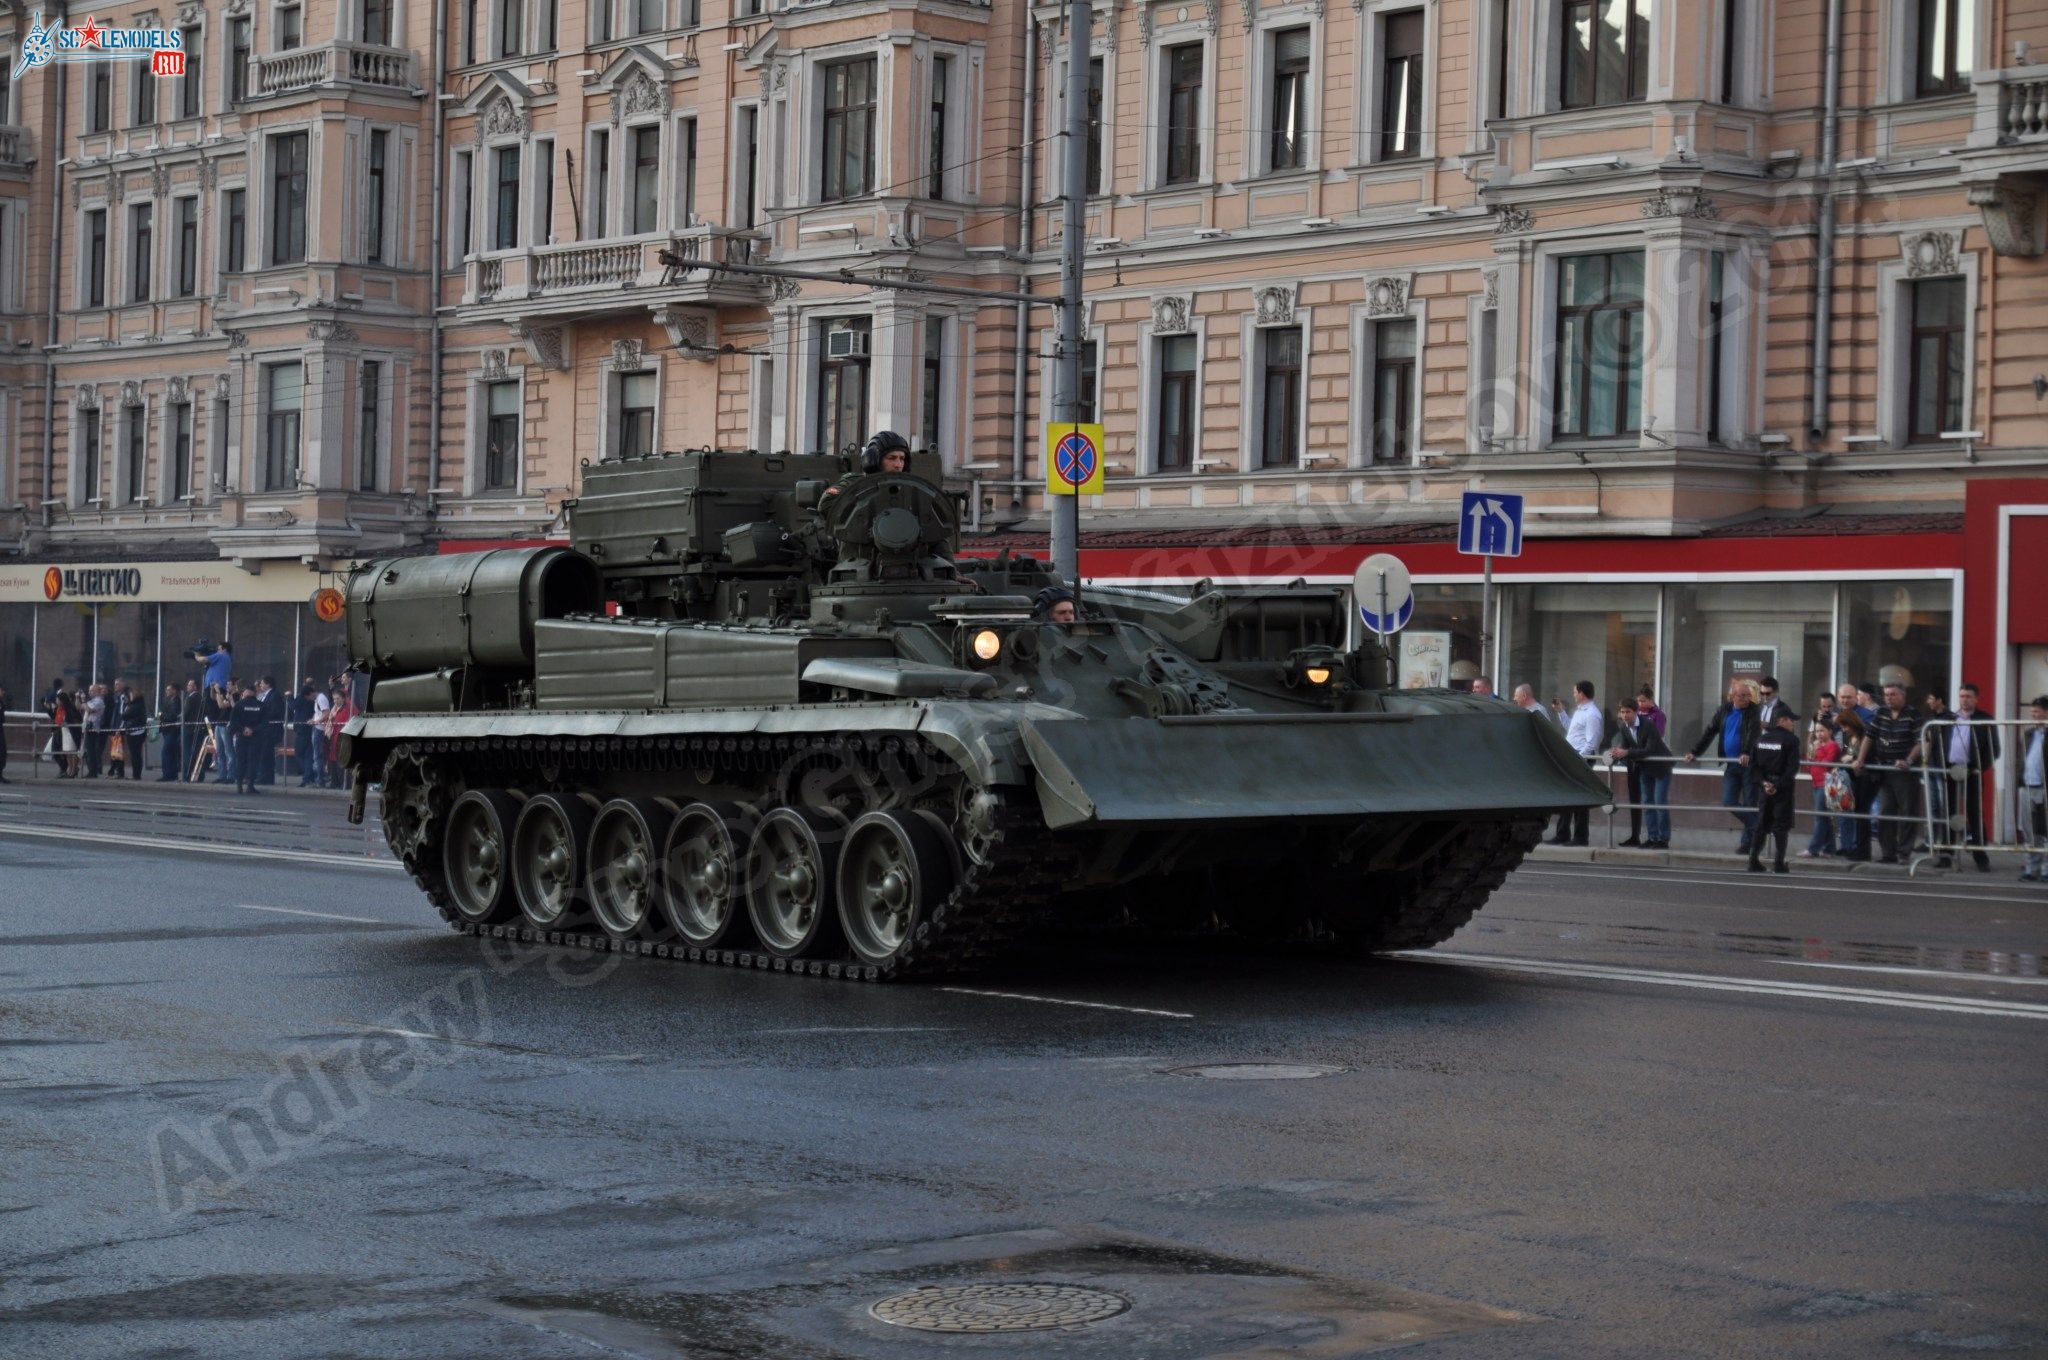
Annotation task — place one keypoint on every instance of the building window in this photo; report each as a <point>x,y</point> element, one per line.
<point>1935,383</point>
<point>141,249</point>
<point>544,191</point>
<point>235,214</point>
<point>377,22</point>
<point>187,280</point>
<point>1606,52</point>
<point>600,183</point>
<point>1183,114</point>
<point>89,455</point>
<point>686,186</point>
<point>509,14</point>
<point>1715,341</point>
<point>99,114</point>
<point>935,117</point>
<point>1176,423</point>
<point>1288,146</point>
<point>190,85</point>
<point>238,59</point>
<point>1947,39</point>
<point>369,422</point>
<point>283,388</point>
<point>505,200</point>
<point>373,199</point>
<point>1503,24</point>
<point>601,21</point>
<point>469,26</point>
<point>1279,397</point>
<point>849,129</point>
<point>843,346</point>
<point>134,463</point>
<point>1393,391</point>
<point>646,179</point>
<point>1095,125</point>
<point>647,16</point>
<point>1090,357</point>
<point>749,158</point>
<point>501,435</point>
<point>1401,39</point>
<point>181,451</point>
<point>96,258</point>
<point>1599,345</point>
<point>636,414</point>
<point>288,198</point>
<point>142,104</point>
<point>934,380</point>
<point>290,30</point>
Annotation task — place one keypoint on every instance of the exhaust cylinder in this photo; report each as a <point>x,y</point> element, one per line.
<point>414,614</point>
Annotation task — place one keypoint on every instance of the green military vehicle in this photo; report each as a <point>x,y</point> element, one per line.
<point>759,714</point>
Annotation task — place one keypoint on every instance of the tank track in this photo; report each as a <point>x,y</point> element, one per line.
<point>1440,898</point>
<point>980,921</point>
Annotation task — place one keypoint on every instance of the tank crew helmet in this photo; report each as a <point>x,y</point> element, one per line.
<point>1049,599</point>
<point>880,443</point>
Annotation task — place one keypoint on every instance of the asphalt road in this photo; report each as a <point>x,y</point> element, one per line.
<point>260,1102</point>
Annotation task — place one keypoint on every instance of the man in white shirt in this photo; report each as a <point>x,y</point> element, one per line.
<point>2034,791</point>
<point>1767,703</point>
<point>1583,733</point>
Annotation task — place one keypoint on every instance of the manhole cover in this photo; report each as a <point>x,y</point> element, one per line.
<point>997,1307</point>
<point>1256,1071</point>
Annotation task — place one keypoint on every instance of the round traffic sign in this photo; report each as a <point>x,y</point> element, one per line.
<point>1075,458</point>
<point>1381,590</point>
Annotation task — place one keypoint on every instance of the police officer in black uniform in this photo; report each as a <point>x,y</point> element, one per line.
<point>1773,776</point>
<point>246,720</point>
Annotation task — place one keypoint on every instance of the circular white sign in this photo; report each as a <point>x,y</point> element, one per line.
<point>1381,590</point>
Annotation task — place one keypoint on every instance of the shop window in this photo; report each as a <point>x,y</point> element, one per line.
<point>1606,52</point>
<point>501,436</point>
<point>1401,81</point>
<point>1945,40</point>
<point>141,249</point>
<point>1440,648</point>
<point>1393,391</point>
<point>1279,396</point>
<point>1287,140</point>
<point>637,393</point>
<point>843,358</point>
<point>1936,380</point>
<point>1556,635</point>
<point>1599,345</point>
<point>1174,430</point>
<point>185,626</point>
<point>288,198</point>
<point>323,651</point>
<point>1183,120</point>
<point>266,641</point>
<point>1723,630</point>
<point>283,390</point>
<point>124,646</point>
<point>63,646</point>
<point>848,132</point>
<point>191,85</point>
<point>1899,631</point>
<point>25,680</point>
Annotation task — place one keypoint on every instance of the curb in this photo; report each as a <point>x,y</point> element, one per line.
<point>1707,859</point>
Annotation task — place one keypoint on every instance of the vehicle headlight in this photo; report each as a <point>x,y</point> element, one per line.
<point>1316,675</point>
<point>987,644</point>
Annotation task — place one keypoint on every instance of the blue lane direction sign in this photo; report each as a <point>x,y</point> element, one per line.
<point>1381,590</point>
<point>1490,525</point>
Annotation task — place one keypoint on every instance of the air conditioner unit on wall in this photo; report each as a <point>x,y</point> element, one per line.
<point>845,344</point>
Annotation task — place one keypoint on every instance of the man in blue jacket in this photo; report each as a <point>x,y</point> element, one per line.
<point>1732,732</point>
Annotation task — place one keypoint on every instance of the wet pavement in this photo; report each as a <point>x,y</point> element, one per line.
<point>257,1101</point>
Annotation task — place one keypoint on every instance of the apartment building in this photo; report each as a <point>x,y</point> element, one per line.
<point>352,284</point>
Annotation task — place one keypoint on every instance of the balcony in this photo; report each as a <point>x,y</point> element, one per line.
<point>2005,163</point>
<point>337,65</point>
<point>591,278</point>
<point>17,148</point>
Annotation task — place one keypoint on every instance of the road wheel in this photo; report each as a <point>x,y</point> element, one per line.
<point>477,856</point>
<point>415,800</point>
<point>790,872</point>
<point>625,865</point>
<point>547,859</point>
<point>702,871</point>
<point>894,869</point>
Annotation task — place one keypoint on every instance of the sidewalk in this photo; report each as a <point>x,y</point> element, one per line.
<point>2005,866</point>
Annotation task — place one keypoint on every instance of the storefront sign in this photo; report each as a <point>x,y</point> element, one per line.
<point>156,583</point>
<point>1749,664</point>
<point>1425,660</point>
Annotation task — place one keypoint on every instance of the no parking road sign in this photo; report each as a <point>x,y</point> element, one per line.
<point>1073,459</point>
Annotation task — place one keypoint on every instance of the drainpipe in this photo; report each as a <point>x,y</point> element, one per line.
<point>56,157</point>
<point>440,248</point>
<point>1020,422</point>
<point>1824,241</point>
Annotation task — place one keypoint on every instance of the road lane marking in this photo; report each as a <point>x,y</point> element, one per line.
<point>515,1049</point>
<point>239,810</point>
<point>1952,974</point>
<point>127,842</point>
<point>1779,881</point>
<point>323,915</point>
<point>861,1029</point>
<point>1707,982</point>
<point>1062,1001</point>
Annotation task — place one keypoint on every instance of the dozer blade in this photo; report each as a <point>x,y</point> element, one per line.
<point>1264,767</point>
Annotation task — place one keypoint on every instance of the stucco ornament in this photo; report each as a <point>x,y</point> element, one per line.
<point>1489,280</point>
<point>131,393</point>
<point>1171,315</point>
<point>638,93</point>
<point>178,390</point>
<point>1680,203</point>
<point>1508,221</point>
<point>627,354</point>
<point>494,365</point>
<point>1273,305</point>
<point>2013,216</point>
<point>1931,253</point>
<point>500,119</point>
<point>544,345</point>
<point>86,397</point>
<point>689,330</point>
<point>1386,295</point>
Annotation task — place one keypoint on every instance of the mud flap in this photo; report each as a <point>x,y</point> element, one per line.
<point>1261,767</point>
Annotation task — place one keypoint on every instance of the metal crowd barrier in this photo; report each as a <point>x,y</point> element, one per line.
<point>1951,793</point>
<point>39,749</point>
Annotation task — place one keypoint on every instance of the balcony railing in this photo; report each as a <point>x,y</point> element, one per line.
<point>340,63</point>
<point>17,147</point>
<point>591,276</point>
<point>2023,105</point>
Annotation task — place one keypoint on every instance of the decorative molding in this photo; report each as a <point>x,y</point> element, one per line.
<point>500,119</point>
<point>86,397</point>
<point>1386,295</point>
<point>1489,282</point>
<point>178,390</point>
<point>2013,217</point>
<point>209,175</point>
<point>1273,304</point>
<point>494,366</point>
<point>1680,203</point>
<point>638,93</point>
<point>332,332</point>
<point>627,354</point>
<point>1144,23</point>
<point>191,16</point>
<point>131,393</point>
<point>1251,14</point>
<point>159,180</point>
<point>689,331</point>
<point>782,290</point>
<point>1213,22</point>
<point>1931,253</point>
<point>778,75</point>
<point>1173,314</point>
<point>235,7</point>
<point>1510,220</point>
<point>544,345</point>
<point>236,339</point>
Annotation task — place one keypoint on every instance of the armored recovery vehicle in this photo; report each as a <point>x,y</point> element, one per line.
<point>755,713</point>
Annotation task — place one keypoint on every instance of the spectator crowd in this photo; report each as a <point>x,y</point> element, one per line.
<point>1881,770</point>
<point>219,727</point>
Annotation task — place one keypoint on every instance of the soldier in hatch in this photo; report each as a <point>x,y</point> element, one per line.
<point>885,451</point>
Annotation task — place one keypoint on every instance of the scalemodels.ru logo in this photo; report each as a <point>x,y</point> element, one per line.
<point>162,48</point>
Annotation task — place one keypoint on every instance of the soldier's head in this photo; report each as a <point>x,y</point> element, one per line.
<point>885,451</point>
